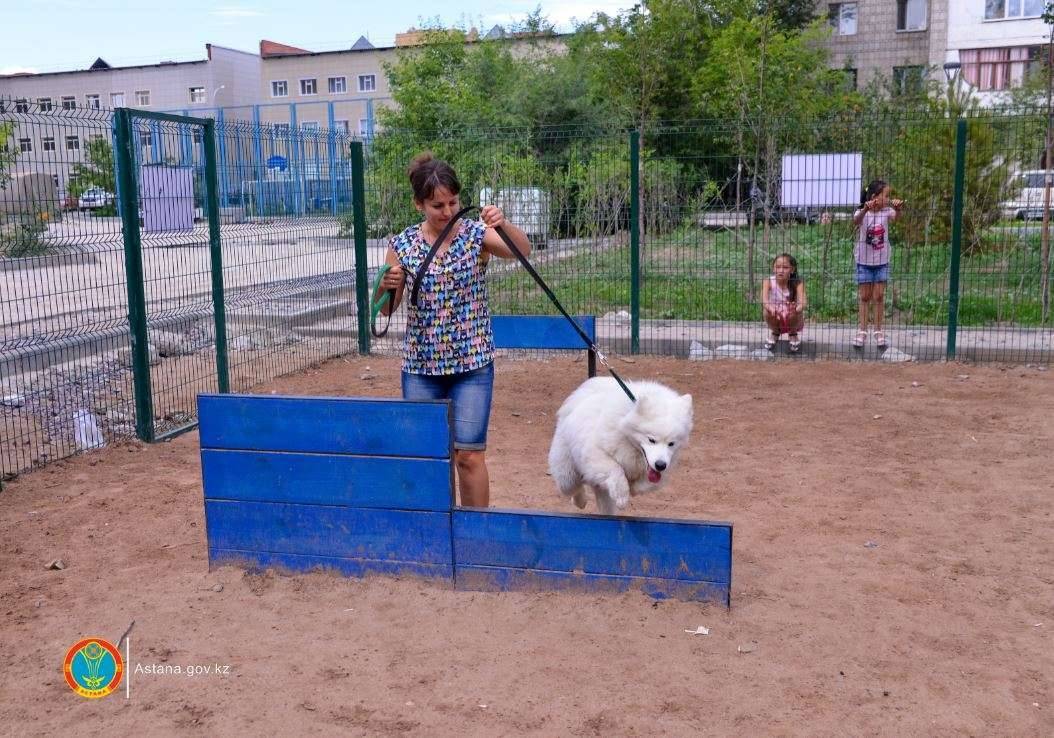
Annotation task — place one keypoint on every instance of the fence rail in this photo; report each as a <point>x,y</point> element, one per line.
<point>145,257</point>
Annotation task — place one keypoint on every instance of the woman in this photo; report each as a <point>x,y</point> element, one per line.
<point>448,352</point>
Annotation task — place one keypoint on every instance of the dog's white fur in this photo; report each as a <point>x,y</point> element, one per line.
<point>608,443</point>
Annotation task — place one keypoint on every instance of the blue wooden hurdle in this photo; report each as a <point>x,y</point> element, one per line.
<point>545,332</point>
<point>366,486</point>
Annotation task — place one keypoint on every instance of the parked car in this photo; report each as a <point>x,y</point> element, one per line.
<point>1027,204</point>
<point>94,197</point>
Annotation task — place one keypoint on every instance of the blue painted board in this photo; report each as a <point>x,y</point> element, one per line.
<point>594,544</point>
<point>339,425</point>
<point>341,532</point>
<point>541,331</point>
<point>499,579</point>
<point>347,567</point>
<point>328,479</point>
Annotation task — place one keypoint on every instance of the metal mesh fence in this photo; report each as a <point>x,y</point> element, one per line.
<point>239,245</point>
<point>65,379</point>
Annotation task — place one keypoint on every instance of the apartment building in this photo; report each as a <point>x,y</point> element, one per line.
<point>880,38</point>
<point>996,42</point>
<point>226,78</point>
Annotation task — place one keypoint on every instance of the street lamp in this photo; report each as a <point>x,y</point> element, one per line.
<point>952,72</point>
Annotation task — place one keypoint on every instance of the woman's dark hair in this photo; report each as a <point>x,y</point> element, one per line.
<point>794,280</point>
<point>873,190</point>
<point>428,173</point>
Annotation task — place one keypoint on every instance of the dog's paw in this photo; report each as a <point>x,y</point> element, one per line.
<point>580,499</point>
<point>621,502</point>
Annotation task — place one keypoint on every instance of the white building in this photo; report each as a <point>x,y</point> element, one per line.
<point>996,42</point>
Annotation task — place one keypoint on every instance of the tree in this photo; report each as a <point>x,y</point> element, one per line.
<point>8,152</point>
<point>98,171</point>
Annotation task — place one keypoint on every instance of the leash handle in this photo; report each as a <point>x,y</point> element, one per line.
<point>375,308</point>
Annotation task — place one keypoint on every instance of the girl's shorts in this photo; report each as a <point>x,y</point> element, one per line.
<point>866,274</point>
<point>470,394</point>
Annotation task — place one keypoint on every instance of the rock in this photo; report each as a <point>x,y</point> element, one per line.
<point>896,356</point>
<point>748,648</point>
<point>916,384</point>
<point>242,343</point>
<point>124,356</point>
<point>367,376</point>
<point>56,564</point>
<point>732,351</point>
<point>699,352</point>
<point>762,355</point>
<point>86,431</point>
<point>170,344</point>
<point>217,588</point>
<point>13,401</point>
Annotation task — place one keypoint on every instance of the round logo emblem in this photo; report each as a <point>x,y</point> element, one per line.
<point>93,668</point>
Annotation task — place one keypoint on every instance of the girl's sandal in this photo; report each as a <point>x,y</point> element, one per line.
<point>794,343</point>
<point>858,341</point>
<point>880,339</point>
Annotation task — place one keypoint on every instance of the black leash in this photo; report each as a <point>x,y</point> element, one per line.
<point>423,269</point>
<point>549,293</point>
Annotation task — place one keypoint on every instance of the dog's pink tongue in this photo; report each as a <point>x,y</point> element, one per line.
<point>653,476</point>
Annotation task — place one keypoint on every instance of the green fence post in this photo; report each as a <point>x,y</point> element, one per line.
<point>957,229</point>
<point>358,204</point>
<point>212,205</point>
<point>133,266</point>
<point>634,240</point>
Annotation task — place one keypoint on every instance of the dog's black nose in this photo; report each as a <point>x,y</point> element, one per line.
<point>660,465</point>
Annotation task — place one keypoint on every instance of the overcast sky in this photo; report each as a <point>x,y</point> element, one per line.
<point>53,35</point>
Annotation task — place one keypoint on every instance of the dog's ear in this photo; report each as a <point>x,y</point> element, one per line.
<point>686,402</point>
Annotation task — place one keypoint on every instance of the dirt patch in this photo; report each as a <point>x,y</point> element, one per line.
<point>893,542</point>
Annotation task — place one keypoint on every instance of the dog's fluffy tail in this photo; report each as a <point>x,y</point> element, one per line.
<point>565,474</point>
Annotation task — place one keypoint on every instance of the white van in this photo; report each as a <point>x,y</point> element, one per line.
<point>527,207</point>
<point>1027,204</point>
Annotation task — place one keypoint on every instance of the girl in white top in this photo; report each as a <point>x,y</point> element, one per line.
<point>872,254</point>
<point>783,302</point>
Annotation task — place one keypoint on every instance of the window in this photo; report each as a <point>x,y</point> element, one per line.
<point>142,98</point>
<point>999,9</point>
<point>364,127</point>
<point>279,88</point>
<point>341,126</point>
<point>197,94</point>
<point>73,143</point>
<point>338,85</point>
<point>55,180</point>
<point>911,15</point>
<point>44,103</point>
<point>116,99</point>
<point>908,80</point>
<point>22,106</point>
<point>69,103</point>
<point>196,135</point>
<point>842,17</point>
<point>92,102</point>
<point>309,125</point>
<point>146,139</point>
<point>281,129</point>
<point>998,69</point>
<point>308,87</point>
<point>47,143</point>
<point>367,83</point>
<point>25,145</point>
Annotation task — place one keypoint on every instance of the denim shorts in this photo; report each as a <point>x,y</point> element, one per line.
<point>470,394</point>
<point>866,274</point>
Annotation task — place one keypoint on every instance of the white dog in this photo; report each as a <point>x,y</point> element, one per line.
<point>615,446</point>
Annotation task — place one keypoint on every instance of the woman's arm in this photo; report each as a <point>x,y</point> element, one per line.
<point>897,205</point>
<point>394,279</point>
<point>493,244</point>
<point>858,215</point>
<point>765,288</point>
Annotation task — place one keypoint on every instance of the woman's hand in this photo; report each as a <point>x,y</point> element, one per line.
<point>492,216</point>
<point>897,204</point>
<point>393,279</point>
